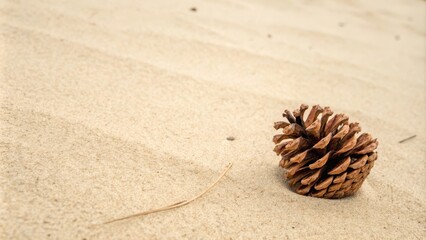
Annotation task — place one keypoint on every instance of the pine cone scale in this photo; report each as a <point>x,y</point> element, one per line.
<point>359,162</point>
<point>340,178</point>
<point>320,162</point>
<point>324,184</point>
<point>340,167</point>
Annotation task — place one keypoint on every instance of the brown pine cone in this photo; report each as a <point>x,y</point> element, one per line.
<point>322,156</point>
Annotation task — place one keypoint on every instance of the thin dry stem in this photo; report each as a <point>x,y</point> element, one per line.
<point>175,205</point>
<point>406,139</point>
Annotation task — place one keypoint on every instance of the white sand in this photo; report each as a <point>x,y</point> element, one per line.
<point>113,107</point>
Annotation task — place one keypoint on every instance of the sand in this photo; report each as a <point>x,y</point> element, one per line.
<point>109,108</point>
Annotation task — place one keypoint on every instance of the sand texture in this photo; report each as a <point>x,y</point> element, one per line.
<point>108,108</point>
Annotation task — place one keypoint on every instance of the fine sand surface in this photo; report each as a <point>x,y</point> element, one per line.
<point>109,108</point>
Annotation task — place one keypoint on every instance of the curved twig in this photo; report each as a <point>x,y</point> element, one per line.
<point>175,205</point>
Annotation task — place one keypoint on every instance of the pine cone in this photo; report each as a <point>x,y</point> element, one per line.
<point>322,156</point>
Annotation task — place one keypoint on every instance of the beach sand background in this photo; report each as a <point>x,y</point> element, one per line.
<point>109,108</point>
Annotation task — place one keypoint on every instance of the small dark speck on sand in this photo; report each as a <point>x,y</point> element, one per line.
<point>230,138</point>
<point>341,24</point>
<point>269,35</point>
<point>193,9</point>
<point>397,37</point>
